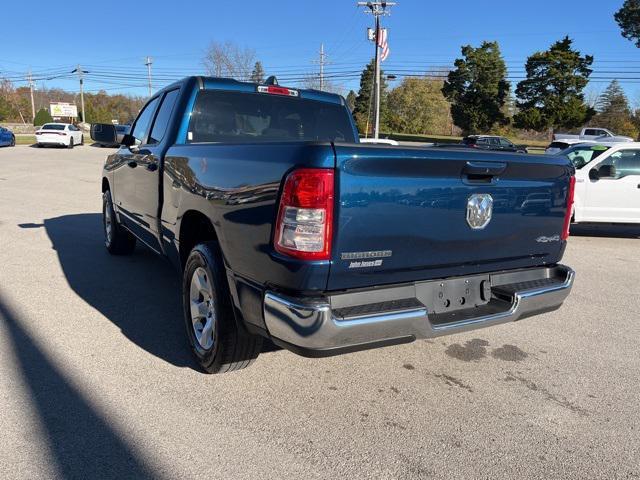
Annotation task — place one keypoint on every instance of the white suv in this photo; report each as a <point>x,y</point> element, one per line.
<point>607,182</point>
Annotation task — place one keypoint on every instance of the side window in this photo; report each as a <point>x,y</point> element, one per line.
<point>482,141</point>
<point>162,119</point>
<point>624,162</point>
<point>143,122</point>
<point>505,143</point>
<point>494,141</point>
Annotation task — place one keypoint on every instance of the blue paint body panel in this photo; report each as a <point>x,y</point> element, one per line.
<point>408,201</point>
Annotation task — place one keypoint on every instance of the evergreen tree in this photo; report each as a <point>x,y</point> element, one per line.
<point>614,111</point>
<point>478,88</point>
<point>364,107</point>
<point>257,76</point>
<point>351,100</point>
<point>628,17</point>
<point>552,94</point>
<point>42,116</point>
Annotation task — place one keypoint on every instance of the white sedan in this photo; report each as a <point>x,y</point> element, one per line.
<point>64,134</point>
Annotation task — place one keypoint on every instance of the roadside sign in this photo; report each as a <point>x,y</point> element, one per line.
<point>60,109</point>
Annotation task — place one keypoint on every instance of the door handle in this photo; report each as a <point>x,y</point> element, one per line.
<point>484,168</point>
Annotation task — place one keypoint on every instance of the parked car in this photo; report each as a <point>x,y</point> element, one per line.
<point>607,182</point>
<point>62,134</point>
<point>379,141</point>
<point>558,146</point>
<point>7,138</point>
<point>492,142</point>
<point>592,133</point>
<point>283,226</point>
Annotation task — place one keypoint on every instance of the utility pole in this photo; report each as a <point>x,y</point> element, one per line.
<point>377,9</point>
<point>322,61</point>
<point>81,73</point>
<point>33,105</point>
<point>148,64</point>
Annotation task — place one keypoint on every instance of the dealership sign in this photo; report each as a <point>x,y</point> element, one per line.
<point>59,109</point>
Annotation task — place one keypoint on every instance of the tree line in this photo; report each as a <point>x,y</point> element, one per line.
<point>100,107</point>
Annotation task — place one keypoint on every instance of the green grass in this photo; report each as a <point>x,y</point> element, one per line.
<point>25,139</point>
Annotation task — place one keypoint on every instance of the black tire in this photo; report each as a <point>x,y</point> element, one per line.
<point>13,142</point>
<point>119,241</point>
<point>70,143</point>
<point>81,140</point>
<point>233,347</point>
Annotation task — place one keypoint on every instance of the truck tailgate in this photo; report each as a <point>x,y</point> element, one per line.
<point>402,213</point>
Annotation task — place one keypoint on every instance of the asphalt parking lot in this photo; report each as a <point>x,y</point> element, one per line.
<point>96,380</point>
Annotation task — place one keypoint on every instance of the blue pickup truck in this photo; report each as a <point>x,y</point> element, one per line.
<point>284,227</point>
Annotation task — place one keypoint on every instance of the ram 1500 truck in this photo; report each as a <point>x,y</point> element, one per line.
<point>284,227</point>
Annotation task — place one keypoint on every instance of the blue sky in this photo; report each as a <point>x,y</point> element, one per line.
<point>112,43</point>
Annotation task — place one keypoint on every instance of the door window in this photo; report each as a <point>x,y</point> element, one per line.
<point>162,119</point>
<point>624,162</point>
<point>495,142</point>
<point>505,143</point>
<point>141,128</point>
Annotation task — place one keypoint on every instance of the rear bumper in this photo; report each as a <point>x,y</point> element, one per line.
<point>357,321</point>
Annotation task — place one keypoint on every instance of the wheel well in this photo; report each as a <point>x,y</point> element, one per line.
<point>195,228</point>
<point>105,185</point>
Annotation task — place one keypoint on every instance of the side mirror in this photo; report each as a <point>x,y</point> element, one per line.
<point>103,133</point>
<point>594,174</point>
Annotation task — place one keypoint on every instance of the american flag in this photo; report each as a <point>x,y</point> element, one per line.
<point>383,44</point>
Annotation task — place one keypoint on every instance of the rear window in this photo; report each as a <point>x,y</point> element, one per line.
<point>581,156</point>
<point>560,145</point>
<point>235,117</point>
<point>53,126</point>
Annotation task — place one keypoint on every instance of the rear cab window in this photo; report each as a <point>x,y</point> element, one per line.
<point>221,116</point>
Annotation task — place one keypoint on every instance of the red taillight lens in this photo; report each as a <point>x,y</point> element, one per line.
<point>276,90</point>
<point>305,216</point>
<point>567,215</point>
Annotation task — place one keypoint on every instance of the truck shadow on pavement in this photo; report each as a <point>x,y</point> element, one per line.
<point>139,293</point>
<point>82,443</point>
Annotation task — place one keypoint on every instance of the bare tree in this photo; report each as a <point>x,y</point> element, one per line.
<point>229,60</point>
<point>312,81</point>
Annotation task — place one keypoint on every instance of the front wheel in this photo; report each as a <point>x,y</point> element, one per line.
<point>117,240</point>
<point>71,142</point>
<point>13,142</point>
<point>217,340</point>
<point>81,140</point>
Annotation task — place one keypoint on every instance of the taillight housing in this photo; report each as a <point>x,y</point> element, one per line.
<point>568,213</point>
<point>304,226</point>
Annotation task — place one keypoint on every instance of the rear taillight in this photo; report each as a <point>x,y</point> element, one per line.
<point>305,216</point>
<point>569,212</point>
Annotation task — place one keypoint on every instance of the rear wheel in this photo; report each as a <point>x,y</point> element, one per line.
<point>117,240</point>
<point>13,141</point>
<point>71,142</point>
<point>81,139</point>
<point>218,341</point>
